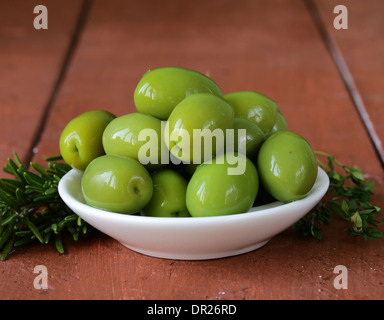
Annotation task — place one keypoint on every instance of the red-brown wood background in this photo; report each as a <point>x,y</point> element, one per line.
<point>328,83</point>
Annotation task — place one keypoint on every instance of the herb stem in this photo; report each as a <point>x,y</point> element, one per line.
<point>31,208</point>
<point>350,198</point>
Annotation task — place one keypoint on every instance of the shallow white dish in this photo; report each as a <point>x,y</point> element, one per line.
<point>193,238</point>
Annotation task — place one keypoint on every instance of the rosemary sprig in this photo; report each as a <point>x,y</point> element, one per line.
<point>31,208</point>
<point>349,196</point>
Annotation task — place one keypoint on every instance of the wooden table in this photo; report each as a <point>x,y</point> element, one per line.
<point>328,83</point>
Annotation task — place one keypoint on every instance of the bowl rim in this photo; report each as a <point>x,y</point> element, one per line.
<point>318,190</point>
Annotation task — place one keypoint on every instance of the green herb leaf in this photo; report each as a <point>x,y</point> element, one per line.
<point>349,196</point>
<point>31,208</point>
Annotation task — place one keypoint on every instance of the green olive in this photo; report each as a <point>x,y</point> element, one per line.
<point>253,138</point>
<point>116,183</point>
<point>198,113</point>
<point>81,139</point>
<point>122,137</point>
<point>160,90</point>
<point>214,191</point>
<point>280,124</point>
<point>254,106</point>
<point>287,166</point>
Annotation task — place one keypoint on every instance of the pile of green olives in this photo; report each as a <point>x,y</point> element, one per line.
<point>189,151</point>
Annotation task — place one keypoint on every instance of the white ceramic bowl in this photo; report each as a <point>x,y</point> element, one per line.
<point>193,238</point>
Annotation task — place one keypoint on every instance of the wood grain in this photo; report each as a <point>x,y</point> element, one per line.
<point>361,51</point>
<point>269,46</point>
<point>30,64</point>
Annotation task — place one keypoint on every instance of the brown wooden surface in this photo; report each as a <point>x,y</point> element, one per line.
<point>275,47</point>
<point>30,64</point>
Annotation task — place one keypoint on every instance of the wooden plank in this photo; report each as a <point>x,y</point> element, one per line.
<point>269,46</point>
<point>362,50</point>
<point>30,63</point>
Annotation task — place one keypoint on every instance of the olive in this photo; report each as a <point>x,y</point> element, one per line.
<point>161,89</point>
<point>254,106</point>
<point>287,166</point>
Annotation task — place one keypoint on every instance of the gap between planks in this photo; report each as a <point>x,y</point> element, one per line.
<point>347,77</point>
<point>80,23</point>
